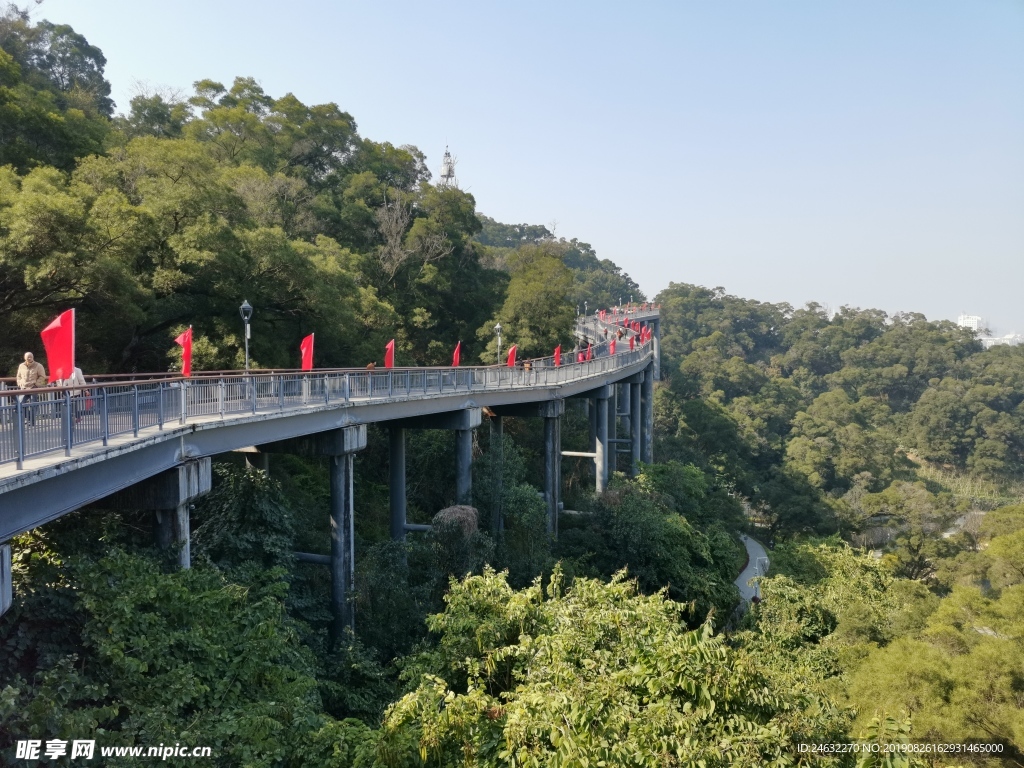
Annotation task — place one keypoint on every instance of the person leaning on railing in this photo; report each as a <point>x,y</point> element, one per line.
<point>31,375</point>
<point>77,380</point>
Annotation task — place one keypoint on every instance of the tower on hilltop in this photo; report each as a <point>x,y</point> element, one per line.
<point>448,171</point>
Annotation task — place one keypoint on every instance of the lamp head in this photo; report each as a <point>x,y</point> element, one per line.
<point>245,311</point>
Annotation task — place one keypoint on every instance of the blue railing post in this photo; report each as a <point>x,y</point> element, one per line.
<point>222,395</point>
<point>160,406</point>
<point>348,384</point>
<point>280,391</point>
<point>252,383</point>
<point>135,410</point>
<point>67,423</point>
<point>103,416</point>
<point>19,430</point>
<point>327,390</point>
<point>389,383</point>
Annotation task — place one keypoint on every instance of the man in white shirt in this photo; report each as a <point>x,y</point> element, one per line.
<point>76,379</point>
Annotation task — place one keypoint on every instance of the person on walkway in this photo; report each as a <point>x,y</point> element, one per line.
<point>31,375</point>
<point>76,379</point>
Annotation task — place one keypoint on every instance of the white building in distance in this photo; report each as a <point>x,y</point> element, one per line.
<point>979,325</point>
<point>974,322</point>
<point>1009,340</point>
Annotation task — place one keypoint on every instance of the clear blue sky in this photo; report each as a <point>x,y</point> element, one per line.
<point>864,152</point>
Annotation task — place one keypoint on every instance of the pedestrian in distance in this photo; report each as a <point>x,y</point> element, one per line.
<point>31,375</point>
<point>77,380</point>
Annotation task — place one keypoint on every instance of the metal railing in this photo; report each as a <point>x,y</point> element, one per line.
<point>38,422</point>
<point>592,327</point>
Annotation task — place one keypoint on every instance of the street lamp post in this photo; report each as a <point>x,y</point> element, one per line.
<point>497,330</point>
<point>246,312</point>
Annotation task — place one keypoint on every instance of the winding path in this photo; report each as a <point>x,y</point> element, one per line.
<point>757,565</point>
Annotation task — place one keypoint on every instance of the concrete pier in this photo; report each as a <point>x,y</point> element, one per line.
<point>647,415</point>
<point>396,482</point>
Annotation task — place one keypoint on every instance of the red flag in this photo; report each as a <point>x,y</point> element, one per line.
<point>579,357</point>
<point>306,347</point>
<point>558,355</point>
<point>512,357</point>
<point>185,340</point>
<point>632,343</point>
<point>611,347</point>
<point>389,354</point>
<point>589,352</point>
<point>457,357</point>
<point>59,342</point>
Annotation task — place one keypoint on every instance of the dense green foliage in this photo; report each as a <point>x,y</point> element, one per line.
<point>811,417</point>
<point>621,642</point>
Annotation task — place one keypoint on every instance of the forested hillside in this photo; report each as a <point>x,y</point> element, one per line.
<point>882,456</point>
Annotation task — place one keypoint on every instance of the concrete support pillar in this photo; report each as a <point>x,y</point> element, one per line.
<point>497,443</point>
<point>602,446</point>
<point>625,408</point>
<point>172,532</point>
<point>6,585</point>
<point>462,422</point>
<point>342,544</point>
<point>396,482</point>
<point>647,416</point>
<point>656,347</point>
<point>552,470</point>
<point>260,461</point>
<point>464,466</point>
<point>636,427</point>
<point>339,446</point>
<point>170,495</point>
<point>551,411</point>
<point>613,431</point>
<point>592,421</point>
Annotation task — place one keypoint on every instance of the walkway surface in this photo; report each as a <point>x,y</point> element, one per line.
<point>757,566</point>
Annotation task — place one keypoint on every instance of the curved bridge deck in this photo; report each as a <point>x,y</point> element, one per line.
<point>84,446</point>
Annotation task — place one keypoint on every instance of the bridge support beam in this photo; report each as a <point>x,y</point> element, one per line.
<point>340,447</point>
<point>396,481</point>
<point>635,427</point>
<point>552,470</point>
<point>647,416</point>
<point>464,466</point>
<point>343,556</point>
<point>592,429</point>
<point>6,584</point>
<point>463,422</point>
<point>625,412</point>
<point>497,444</point>
<point>551,411</point>
<point>601,444</point>
<point>170,494</point>
<point>613,428</point>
